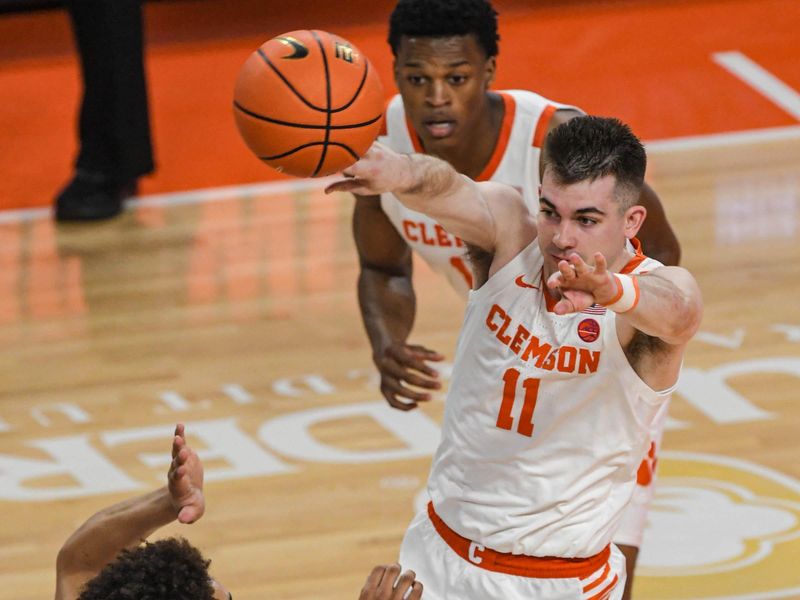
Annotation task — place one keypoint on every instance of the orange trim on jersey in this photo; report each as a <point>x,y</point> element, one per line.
<point>636,260</point>
<point>598,581</point>
<point>543,125</point>
<point>604,592</point>
<point>415,141</point>
<point>509,110</point>
<point>517,564</point>
<point>459,265</point>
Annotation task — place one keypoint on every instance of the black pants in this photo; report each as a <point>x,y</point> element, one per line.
<point>114,125</point>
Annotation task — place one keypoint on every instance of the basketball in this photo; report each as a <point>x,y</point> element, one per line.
<point>308,103</point>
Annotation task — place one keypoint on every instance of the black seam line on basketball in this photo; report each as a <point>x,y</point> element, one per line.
<point>298,148</point>
<point>250,113</point>
<point>358,91</point>
<point>328,109</point>
<point>286,81</point>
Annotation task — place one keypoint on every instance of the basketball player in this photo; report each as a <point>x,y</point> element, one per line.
<point>571,342</point>
<point>445,60</point>
<point>106,558</point>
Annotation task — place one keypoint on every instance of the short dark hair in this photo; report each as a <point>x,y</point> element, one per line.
<point>445,18</point>
<point>169,569</point>
<point>587,148</point>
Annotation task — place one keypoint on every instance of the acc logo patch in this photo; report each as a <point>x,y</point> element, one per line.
<point>720,528</point>
<point>589,330</point>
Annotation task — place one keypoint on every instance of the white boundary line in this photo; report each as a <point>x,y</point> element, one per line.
<point>268,188</point>
<point>761,80</point>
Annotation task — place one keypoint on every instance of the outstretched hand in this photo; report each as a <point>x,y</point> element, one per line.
<point>582,284</point>
<point>402,365</point>
<point>185,479</point>
<point>383,584</point>
<point>379,170</point>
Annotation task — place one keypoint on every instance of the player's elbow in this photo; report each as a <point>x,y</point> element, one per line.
<point>687,314</point>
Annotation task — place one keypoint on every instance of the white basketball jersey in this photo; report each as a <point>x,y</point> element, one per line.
<point>515,162</point>
<point>545,422</point>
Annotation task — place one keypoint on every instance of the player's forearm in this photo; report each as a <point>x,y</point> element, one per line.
<point>669,306</point>
<point>123,525</point>
<point>388,306</point>
<point>429,185</point>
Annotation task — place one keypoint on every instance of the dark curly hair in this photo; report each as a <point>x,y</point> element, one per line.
<point>444,18</point>
<point>169,569</point>
<point>587,148</point>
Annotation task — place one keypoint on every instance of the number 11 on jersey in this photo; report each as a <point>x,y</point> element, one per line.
<point>531,387</point>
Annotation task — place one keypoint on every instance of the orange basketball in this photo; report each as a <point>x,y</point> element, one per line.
<point>308,103</point>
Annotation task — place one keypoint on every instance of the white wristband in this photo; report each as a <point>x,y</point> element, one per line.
<point>627,296</point>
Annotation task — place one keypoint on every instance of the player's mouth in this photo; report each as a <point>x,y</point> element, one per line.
<point>439,128</point>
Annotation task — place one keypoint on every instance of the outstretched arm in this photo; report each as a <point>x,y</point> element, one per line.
<point>126,524</point>
<point>664,304</point>
<point>488,215</point>
<point>388,306</point>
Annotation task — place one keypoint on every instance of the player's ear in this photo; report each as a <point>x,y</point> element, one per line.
<point>491,71</point>
<point>396,72</point>
<point>634,218</point>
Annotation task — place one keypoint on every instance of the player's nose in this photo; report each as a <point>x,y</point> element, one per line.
<point>438,94</point>
<point>564,236</point>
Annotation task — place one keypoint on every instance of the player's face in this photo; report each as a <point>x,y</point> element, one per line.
<point>443,82</point>
<point>583,218</point>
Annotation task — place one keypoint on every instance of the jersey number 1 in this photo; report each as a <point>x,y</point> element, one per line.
<point>531,387</point>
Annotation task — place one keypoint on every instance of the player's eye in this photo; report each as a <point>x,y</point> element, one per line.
<point>586,221</point>
<point>415,79</point>
<point>457,79</point>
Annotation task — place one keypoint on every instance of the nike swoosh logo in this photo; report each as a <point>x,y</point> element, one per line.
<point>524,284</point>
<point>298,49</point>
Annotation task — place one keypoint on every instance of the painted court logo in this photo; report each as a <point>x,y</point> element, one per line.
<point>720,528</point>
<point>588,330</point>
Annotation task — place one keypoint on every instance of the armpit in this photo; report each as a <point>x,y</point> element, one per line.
<point>480,260</point>
<point>643,345</point>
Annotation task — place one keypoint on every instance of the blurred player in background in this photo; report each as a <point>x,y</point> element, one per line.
<point>571,344</point>
<point>107,557</point>
<point>445,61</point>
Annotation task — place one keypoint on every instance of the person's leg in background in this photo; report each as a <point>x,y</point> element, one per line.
<point>114,125</point>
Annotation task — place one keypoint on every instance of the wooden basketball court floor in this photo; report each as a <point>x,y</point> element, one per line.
<point>233,310</point>
<point>237,315</point>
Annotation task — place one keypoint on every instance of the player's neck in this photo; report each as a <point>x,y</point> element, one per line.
<point>471,157</point>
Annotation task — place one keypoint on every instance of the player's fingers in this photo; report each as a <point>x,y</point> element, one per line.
<point>416,591</point>
<point>567,270</point>
<point>372,582</point>
<point>396,388</point>
<point>428,383</point>
<point>387,581</point>
<point>426,353</point>
<point>346,185</point>
<point>580,266</point>
<point>403,584</point>
<point>564,306</point>
<point>404,361</point>
<point>600,265</point>
<point>554,281</point>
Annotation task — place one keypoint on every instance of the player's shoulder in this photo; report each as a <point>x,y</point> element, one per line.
<point>395,132</point>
